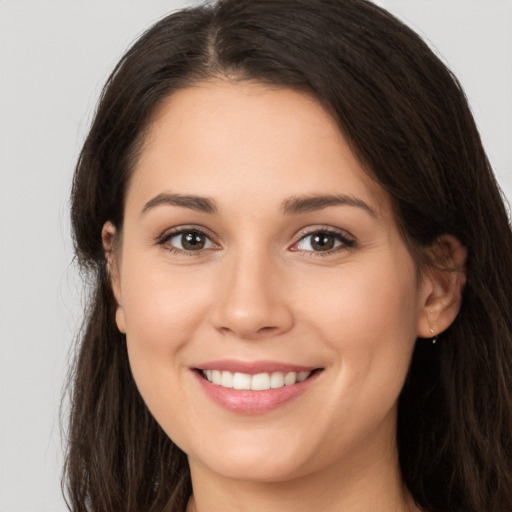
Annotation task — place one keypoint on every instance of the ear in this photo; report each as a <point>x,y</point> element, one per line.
<point>442,286</point>
<point>112,255</point>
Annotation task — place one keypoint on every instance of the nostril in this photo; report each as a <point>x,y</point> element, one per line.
<point>267,329</point>
<point>257,333</point>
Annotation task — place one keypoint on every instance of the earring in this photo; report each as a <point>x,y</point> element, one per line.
<point>434,336</point>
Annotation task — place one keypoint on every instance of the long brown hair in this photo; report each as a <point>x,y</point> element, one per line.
<point>407,120</point>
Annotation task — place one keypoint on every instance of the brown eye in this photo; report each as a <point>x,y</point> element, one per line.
<point>323,241</point>
<point>190,240</point>
<point>193,241</point>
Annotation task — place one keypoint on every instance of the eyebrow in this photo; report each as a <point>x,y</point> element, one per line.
<point>197,203</point>
<point>292,206</point>
<point>305,204</point>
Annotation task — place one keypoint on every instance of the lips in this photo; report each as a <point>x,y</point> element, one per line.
<point>254,387</point>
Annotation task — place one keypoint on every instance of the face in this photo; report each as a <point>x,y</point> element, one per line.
<point>269,302</point>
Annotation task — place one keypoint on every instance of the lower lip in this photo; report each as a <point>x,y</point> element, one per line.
<point>254,402</point>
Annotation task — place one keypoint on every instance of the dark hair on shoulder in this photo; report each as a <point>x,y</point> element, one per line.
<point>407,119</point>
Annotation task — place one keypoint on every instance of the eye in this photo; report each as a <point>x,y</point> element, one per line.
<point>188,240</point>
<point>323,241</point>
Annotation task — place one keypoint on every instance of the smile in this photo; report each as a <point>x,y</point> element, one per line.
<point>257,382</point>
<point>254,387</point>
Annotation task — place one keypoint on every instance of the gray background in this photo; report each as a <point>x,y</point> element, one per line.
<point>54,58</point>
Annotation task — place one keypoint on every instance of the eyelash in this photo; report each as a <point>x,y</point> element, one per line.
<point>164,239</point>
<point>346,241</point>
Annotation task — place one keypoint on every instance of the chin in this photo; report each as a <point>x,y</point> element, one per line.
<point>256,471</point>
<point>255,462</point>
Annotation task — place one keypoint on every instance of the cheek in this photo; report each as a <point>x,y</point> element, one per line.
<point>162,313</point>
<point>368,318</point>
<point>364,303</point>
<point>161,305</point>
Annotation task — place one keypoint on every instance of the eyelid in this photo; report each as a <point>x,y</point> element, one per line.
<point>178,230</point>
<point>347,240</point>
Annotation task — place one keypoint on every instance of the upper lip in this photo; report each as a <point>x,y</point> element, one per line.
<point>253,367</point>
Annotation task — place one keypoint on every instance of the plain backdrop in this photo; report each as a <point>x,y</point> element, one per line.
<point>54,58</point>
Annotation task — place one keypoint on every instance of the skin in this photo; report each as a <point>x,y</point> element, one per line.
<point>259,290</point>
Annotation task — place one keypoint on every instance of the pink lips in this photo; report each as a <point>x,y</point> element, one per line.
<point>254,367</point>
<point>247,401</point>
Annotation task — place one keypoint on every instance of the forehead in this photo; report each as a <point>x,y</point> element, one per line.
<point>232,139</point>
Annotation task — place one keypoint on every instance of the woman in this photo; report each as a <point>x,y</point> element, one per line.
<point>299,298</point>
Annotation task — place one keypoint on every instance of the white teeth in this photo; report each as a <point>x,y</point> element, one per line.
<point>226,381</point>
<point>290,378</point>
<point>258,382</point>
<point>241,381</point>
<point>277,380</point>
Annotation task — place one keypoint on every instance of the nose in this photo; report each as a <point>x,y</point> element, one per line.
<point>252,303</point>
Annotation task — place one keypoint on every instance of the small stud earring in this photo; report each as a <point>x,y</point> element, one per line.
<point>434,336</point>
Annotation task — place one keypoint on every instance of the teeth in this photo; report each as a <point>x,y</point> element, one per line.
<point>226,380</point>
<point>241,380</point>
<point>216,377</point>
<point>277,380</point>
<point>302,376</point>
<point>258,382</point>
<point>290,378</point>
